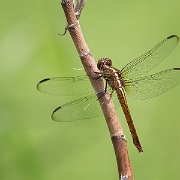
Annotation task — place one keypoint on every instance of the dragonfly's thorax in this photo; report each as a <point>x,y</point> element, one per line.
<point>110,74</point>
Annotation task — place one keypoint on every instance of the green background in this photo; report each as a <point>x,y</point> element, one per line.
<point>32,146</point>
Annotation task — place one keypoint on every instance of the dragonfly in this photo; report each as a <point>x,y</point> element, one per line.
<point>129,80</point>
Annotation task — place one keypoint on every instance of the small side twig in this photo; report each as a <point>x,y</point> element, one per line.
<point>89,64</point>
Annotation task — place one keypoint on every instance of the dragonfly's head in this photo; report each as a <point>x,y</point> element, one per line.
<point>103,63</point>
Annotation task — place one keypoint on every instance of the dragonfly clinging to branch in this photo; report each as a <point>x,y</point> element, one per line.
<point>129,79</point>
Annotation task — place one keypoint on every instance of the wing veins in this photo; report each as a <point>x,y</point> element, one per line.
<point>152,85</point>
<point>150,59</point>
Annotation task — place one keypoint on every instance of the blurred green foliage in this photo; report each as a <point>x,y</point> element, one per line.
<point>33,146</point>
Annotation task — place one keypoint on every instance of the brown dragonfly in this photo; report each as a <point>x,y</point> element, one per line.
<point>128,79</point>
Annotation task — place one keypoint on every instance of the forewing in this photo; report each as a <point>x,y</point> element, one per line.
<point>153,85</point>
<point>65,86</point>
<point>151,59</point>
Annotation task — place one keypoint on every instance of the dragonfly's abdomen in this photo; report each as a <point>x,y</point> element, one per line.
<point>113,77</point>
<point>125,108</point>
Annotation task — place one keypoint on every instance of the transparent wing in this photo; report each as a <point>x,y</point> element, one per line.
<point>151,59</point>
<point>65,86</point>
<point>83,108</point>
<point>153,85</point>
<point>78,109</point>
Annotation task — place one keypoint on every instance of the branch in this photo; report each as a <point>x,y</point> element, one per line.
<point>90,66</point>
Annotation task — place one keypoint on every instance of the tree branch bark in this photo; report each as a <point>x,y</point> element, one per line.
<point>89,64</point>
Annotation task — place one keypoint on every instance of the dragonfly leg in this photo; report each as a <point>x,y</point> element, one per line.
<point>104,92</point>
<point>100,73</point>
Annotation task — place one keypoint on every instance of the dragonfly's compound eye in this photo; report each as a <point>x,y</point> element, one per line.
<point>104,62</point>
<point>108,62</point>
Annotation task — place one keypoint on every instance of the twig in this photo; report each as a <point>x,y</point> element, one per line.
<point>89,64</point>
